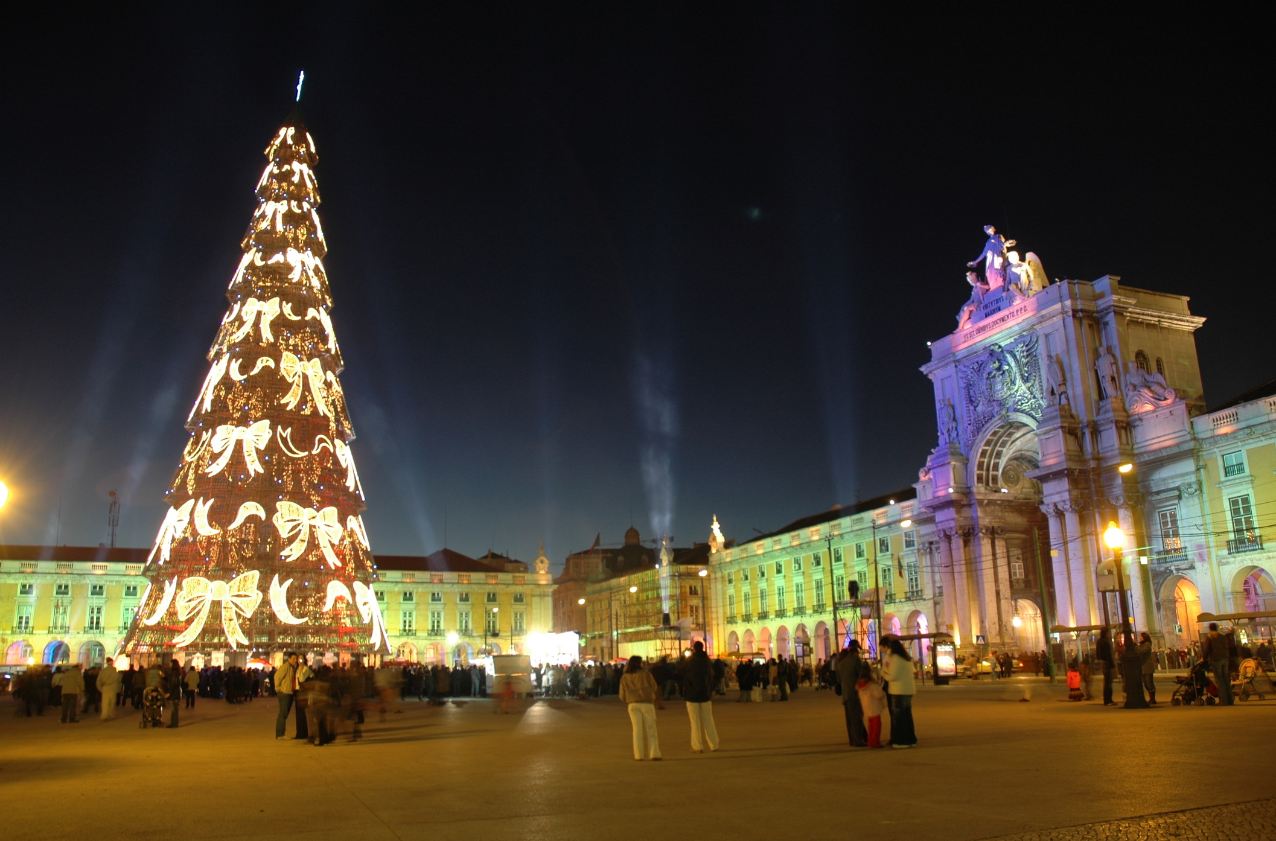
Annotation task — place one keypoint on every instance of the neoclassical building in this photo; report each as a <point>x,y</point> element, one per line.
<point>69,603</point>
<point>788,593</point>
<point>1061,407</point>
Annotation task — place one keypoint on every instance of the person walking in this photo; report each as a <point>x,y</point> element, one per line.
<point>72,684</point>
<point>897,671</point>
<point>638,691</point>
<point>850,669</point>
<point>285,689</point>
<point>108,683</point>
<point>1216,650</point>
<point>1104,654</point>
<point>697,691</point>
<point>1147,664</point>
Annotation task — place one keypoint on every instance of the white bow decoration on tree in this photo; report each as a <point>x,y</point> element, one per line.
<point>295,523</point>
<point>253,438</point>
<point>346,459</point>
<point>252,309</point>
<point>174,527</point>
<point>239,597</point>
<point>365,599</point>
<point>301,372</point>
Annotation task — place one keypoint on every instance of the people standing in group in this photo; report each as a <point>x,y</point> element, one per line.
<point>1216,650</point>
<point>638,691</point>
<point>1147,665</point>
<point>850,669</point>
<point>1107,662</point>
<point>109,685</point>
<point>897,671</point>
<point>697,691</point>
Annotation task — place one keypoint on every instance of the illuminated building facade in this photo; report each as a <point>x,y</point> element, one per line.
<point>67,603</point>
<point>445,607</point>
<point>775,595</point>
<point>636,599</point>
<point>75,604</point>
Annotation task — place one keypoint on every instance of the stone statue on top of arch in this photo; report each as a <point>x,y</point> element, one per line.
<point>993,258</point>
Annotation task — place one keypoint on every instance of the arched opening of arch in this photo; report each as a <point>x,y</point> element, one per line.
<point>1180,605</point>
<point>406,652</point>
<point>782,642</point>
<point>18,653</point>
<point>733,641</point>
<point>57,652</point>
<point>92,654</point>
<point>749,642</point>
<point>822,640</point>
<point>1029,634</point>
<point>801,644</point>
<point>764,642</point>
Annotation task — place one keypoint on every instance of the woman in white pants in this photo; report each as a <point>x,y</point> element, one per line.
<point>639,692</point>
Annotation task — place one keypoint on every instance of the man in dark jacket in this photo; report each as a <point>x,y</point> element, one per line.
<point>1217,651</point>
<point>697,691</point>
<point>172,688</point>
<point>850,668</point>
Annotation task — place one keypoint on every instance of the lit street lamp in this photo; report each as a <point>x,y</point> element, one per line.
<point>1131,668</point>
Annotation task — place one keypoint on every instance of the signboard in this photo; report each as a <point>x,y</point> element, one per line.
<point>945,659</point>
<point>980,639</point>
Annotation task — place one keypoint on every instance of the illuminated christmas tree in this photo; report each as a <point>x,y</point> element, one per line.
<point>263,547</point>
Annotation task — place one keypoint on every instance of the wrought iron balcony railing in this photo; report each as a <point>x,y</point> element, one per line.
<point>1248,543</point>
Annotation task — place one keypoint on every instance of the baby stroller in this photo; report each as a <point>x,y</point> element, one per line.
<point>1251,679</point>
<point>1194,688</point>
<point>152,708</point>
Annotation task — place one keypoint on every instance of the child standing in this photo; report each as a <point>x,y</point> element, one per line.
<point>873,702</point>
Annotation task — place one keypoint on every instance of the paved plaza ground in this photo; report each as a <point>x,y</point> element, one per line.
<point>987,766</point>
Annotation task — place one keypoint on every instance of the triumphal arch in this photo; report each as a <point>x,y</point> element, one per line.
<point>1040,392</point>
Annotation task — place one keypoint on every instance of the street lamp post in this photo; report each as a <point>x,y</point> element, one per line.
<point>828,542</point>
<point>704,612</point>
<point>1131,668</point>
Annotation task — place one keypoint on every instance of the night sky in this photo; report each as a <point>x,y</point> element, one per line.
<point>595,266</point>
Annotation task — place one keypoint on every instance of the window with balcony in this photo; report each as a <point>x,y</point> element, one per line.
<point>839,587</point>
<point>22,621</point>
<point>436,621</point>
<point>1234,463</point>
<point>799,596</point>
<point>492,619</point>
<point>1171,541</point>
<point>1016,571</point>
<point>779,598</point>
<point>748,606</point>
<point>1245,537</point>
<point>126,615</point>
<point>463,621</point>
<point>61,620</point>
<point>818,584</point>
<point>859,551</point>
<point>730,607</point>
<point>520,622</point>
<point>914,578</point>
<point>910,539</point>
<point>407,622</point>
<point>94,618</point>
<point>762,601</point>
